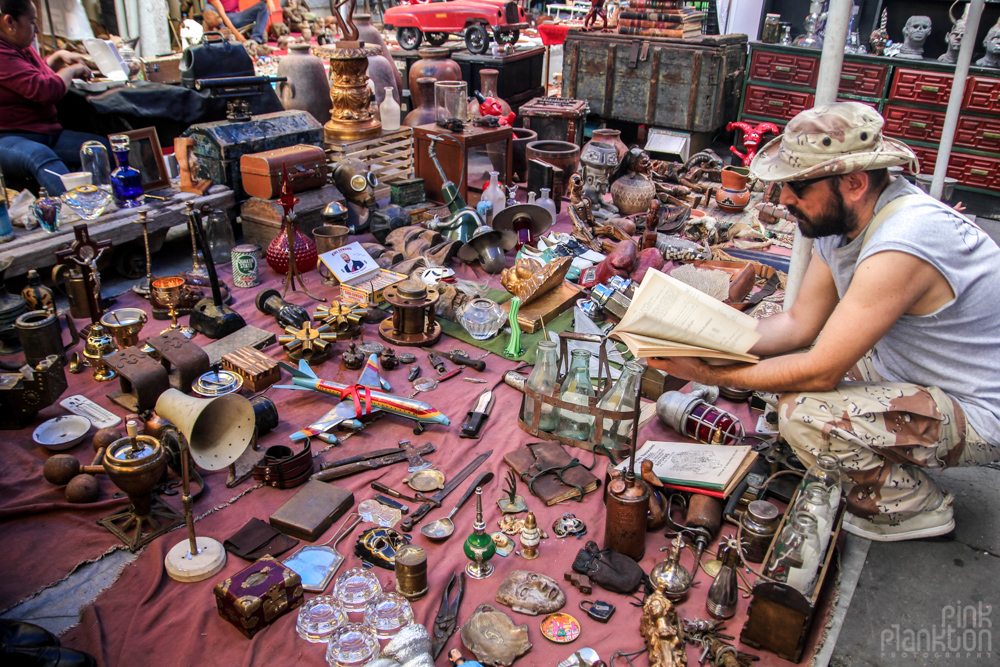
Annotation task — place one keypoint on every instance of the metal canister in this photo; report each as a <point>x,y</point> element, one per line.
<point>245,265</point>
<point>411,572</point>
<point>760,523</point>
<point>625,527</point>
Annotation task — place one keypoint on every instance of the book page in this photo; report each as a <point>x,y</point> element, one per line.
<point>645,347</point>
<point>665,308</point>
<point>692,463</point>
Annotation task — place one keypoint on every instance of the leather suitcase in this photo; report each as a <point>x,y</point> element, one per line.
<point>254,597</point>
<point>262,172</point>
<point>216,57</point>
<point>163,69</point>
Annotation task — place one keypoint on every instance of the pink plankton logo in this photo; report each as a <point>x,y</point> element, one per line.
<point>965,633</point>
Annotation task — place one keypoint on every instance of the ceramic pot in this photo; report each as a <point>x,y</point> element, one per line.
<point>435,63</point>
<point>382,75</point>
<point>599,161</point>
<point>36,295</point>
<point>735,178</point>
<point>522,137</point>
<point>613,137</point>
<point>305,253</point>
<point>732,200</point>
<point>424,114</point>
<point>369,34</point>
<point>488,79</point>
<point>308,87</point>
<point>632,193</point>
<point>562,154</point>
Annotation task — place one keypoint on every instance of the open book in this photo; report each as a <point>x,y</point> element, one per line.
<point>716,469</point>
<point>670,319</point>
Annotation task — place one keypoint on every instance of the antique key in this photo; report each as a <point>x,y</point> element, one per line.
<point>599,610</point>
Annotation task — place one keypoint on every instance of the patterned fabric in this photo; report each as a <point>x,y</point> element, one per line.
<point>884,434</point>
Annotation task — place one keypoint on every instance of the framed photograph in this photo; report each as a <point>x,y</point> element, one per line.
<point>145,154</point>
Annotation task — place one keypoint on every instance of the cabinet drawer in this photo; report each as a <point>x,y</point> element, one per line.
<point>912,85</point>
<point>982,94</point>
<point>784,68</point>
<point>928,158</point>
<point>980,133</point>
<point>862,79</point>
<point>774,103</point>
<point>908,123</point>
<point>974,171</point>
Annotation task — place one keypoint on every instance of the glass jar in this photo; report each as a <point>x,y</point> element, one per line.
<point>617,433</point>
<point>319,617</point>
<point>771,31</point>
<point>450,101</point>
<point>388,614</point>
<point>94,159</point>
<point>826,471</point>
<point>351,644</point>
<point>45,211</point>
<point>356,588</point>
<point>543,381</point>
<point>87,201</point>
<point>482,318</point>
<point>126,181</point>
<point>578,389</point>
<point>795,558</point>
<point>815,500</point>
<point>219,233</point>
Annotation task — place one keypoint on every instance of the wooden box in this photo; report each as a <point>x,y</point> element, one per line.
<point>681,84</point>
<point>555,119</point>
<point>371,291</point>
<point>258,370</point>
<point>261,218</point>
<point>389,156</point>
<point>254,597</point>
<point>163,69</point>
<point>485,149</point>
<point>263,173</point>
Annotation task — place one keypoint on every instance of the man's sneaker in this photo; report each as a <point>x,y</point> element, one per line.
<point>929,523</point>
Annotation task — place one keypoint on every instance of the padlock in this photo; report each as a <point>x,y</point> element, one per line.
<point>599,610</point>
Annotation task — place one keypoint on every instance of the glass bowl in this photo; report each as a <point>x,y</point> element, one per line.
<point>387,614</point>
<point>319,617</point>
<point>356,588</point>
<point>351,644</point>
<point>482,318</point>
<point>87,201</point>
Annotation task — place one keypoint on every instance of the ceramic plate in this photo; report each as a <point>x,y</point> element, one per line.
<point>61,433</point>
<point>560,628</point>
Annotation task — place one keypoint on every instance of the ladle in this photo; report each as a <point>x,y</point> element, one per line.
<point>441,529</point>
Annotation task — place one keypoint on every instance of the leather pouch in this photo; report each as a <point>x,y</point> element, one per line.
<point>544,463</point>
<point>257,539</point>
<point>609,569</point>
<point>263,172</point>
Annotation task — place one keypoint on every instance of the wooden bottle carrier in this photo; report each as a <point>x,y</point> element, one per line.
<point>604,384</point>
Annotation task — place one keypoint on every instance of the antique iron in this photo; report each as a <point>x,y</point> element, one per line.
<point>141,380</point>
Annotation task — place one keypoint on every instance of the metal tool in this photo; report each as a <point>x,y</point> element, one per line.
<point>447,617</point>
<point>316,565</point>
<point>460,358</point>
<point>355,464</point>
<point>436,362</point>
<point>389,502</point>
<point>435,500</point>
<point>443,528</point>
<point>477,415</point>
<point>382,488</point>
<point>413,455</point>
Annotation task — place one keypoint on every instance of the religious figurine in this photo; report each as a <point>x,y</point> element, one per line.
<point>596,9</point>
<point>880,37</point>
<point>631,186</point>
<point>954,37</point>
<point>530,593</point>
<point>992,44</point>
<point>915,33</point>
<point>661,630</point>
<point>652,221</point>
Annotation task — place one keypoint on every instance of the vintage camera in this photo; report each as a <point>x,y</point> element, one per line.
<point>24,393</point>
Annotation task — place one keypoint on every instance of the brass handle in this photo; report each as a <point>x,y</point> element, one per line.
<point>848,77</point>
<point>979,172</point>
<point>919,126</point>
<point>991,135</point>
<point>775,103</point>
<point>782,68</point>
<point>929,89</point>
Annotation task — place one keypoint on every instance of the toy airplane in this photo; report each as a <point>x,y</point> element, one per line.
<point>369,395</point>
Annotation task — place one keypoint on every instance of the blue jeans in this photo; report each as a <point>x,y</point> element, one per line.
<point>27,155</point>
<point>258,15</point>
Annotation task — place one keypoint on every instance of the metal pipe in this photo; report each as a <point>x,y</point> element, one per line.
<point>955,97</point>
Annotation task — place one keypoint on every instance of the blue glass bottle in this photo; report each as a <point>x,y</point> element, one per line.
<point>126,181</point>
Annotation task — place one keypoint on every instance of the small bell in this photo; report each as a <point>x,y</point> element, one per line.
<point>674,578</point>
<point>479,546</point>
<point>722,595</point>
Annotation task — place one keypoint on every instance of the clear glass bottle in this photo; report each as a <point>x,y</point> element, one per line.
<point>133,64</point>
<point>546,202</point>
<point>389,111</point>
<point>6,229</point>
<point>543,380</point>
<point>826,471</point>
<point>126,181</point>
<point>815,500</point>
<point>45,211</point>
<point>577,388</point>
<point>494,193</point>
<point>219,233</point>
<point>94,159</point>
<point>531,198</point>
<point>795,557</point>
<point>617,433</point>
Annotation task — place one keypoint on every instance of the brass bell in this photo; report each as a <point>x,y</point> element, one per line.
<point>99,345</point>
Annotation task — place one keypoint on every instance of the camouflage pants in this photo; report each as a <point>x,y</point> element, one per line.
<point>884,434</point>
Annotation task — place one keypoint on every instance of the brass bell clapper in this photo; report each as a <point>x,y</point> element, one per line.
<point>479,546</point>
<point>628,506</point>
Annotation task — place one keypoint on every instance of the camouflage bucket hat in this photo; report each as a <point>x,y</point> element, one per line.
<point>839,138</point>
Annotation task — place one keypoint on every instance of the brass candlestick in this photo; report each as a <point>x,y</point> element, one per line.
<point>142,288</point>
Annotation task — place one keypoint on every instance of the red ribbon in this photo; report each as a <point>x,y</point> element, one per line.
<point>354,391</point>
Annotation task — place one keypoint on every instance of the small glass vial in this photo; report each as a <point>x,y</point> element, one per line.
<point>94,159</point>
<point>126,181</point>
<point>389,111</point>
<point>543,380</point>
<point>617,433</point>
<point>494,193</point>
<point>578,389</point>
<point>532,198</point>
<point>795,557</point>
<point>547,202</point>
<point>826,471</point>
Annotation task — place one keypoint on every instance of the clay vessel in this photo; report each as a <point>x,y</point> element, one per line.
<point>369,34</point>
<point>423,114</point>
<point>382,75</point>
<point>632,193</point>
<point>435,63</point>
<point>522,137</point>
<point>308,87</point>
<point>562,154</point>
<point>599,161</point>
<point>613,137</point>
<point>731,200</point>
<point>488,79</point>
<point>735,178</point>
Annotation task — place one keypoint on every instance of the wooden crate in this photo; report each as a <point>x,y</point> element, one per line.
<point>389,156</point>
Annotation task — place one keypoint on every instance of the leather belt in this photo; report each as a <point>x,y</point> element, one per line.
<point>282,469</point>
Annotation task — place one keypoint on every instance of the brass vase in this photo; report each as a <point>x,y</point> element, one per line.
<point>351,117</point>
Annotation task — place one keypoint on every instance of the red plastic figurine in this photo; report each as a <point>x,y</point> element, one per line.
<point>752,137</point>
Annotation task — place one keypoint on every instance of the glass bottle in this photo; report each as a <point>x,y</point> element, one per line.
<point>133,65</point>
<point>815,500</point>
<point>389,111</point>
<point>219,233</point>
<point>795,557</point>
<point>543,380</point>
<point>126,181</point>
<point>617,433</point>
<point>6,229</point>
<point>577,389</point>
<point>94,159</point>
<point>826,471</point>
<point>546,202</point>
<point>495,194</point>
<point>531,198</point>
<point>45,211</point>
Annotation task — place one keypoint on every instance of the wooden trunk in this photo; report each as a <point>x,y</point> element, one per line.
<point>682,84</point>
<point>261,218</point>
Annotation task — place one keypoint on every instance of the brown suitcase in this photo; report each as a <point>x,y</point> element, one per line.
<point>262,172</point>
<point>163,69</point>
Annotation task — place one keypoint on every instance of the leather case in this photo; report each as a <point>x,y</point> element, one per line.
<point>254,597</point>
<point>312,509</point>
<point>216,57</point>
<point>262,172</point>
<point>528,461</point>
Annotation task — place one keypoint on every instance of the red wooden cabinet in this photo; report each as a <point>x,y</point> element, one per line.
<point>982,94</point>
<point>776,103</point>
<point>862,79</point>
<point>912,85</point>
<point>784,68</point>
<point>912,123</point>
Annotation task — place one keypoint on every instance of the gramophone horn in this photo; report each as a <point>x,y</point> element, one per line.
<point>218,430</point>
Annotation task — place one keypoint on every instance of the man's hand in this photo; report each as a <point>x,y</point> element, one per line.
<point>687,368</point>
<point>63,58</point>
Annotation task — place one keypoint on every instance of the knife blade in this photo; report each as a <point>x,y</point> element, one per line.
<point>435,500</point>
<point>478,415</point>
<point>340,469</point>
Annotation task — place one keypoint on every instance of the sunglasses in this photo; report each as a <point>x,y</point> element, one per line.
<point>798,188</point>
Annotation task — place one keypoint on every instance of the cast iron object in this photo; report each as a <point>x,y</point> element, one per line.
<point>141,380</point>
<point>187,359</point>
<point>412,322</point>
<point>23,394</point>
<point>462,360</point>
<point>41,336</point>
<point>285,314</point>
<point>211,317</point>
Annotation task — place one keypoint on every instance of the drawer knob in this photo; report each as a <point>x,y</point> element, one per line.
<point>979,172</point>
<point>929,89</point>
<point>918,125</point>
<point>775,103</point>
<point>782,68</point>
<point>848,77</point>
<point>991,135</point>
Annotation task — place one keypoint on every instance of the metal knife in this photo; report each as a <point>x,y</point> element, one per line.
<point>477,415</point>
<point>343,468</point>
<point>435,500</point>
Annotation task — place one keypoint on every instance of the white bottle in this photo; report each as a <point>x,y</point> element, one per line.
<point>389,111</point>
<point>546,202</point>
<point>494,192</point>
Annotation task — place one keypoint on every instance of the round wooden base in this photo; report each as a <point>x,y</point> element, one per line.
<point>181,566</point>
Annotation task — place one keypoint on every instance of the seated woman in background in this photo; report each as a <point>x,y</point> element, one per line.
<point>32,143</point>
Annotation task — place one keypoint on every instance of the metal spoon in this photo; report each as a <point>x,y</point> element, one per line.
<point>441,529</point>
